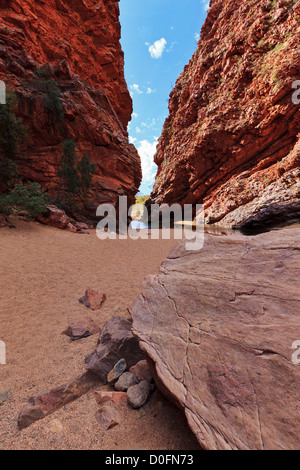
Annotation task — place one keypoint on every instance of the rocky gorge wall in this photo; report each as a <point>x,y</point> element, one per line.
<point>76,45</point>
<point>231,140</point>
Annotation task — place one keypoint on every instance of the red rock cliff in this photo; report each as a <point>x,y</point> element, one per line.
<point>76,44</point>
<point>231,140</point>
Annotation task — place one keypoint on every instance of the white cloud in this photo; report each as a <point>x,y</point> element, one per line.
<point>135,88</point>
<point>205,4</point>
<point>157,49</point>
<point>150,91</point>
<point>132,140</point>
<point>197,36</point>
<point>147,151</point>
<point>138,130</point>
<point>135,115</point>
<point>170,49</point>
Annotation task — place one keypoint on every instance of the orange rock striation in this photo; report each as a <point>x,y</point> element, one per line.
<point>76,46</point>
<point>231,140</point>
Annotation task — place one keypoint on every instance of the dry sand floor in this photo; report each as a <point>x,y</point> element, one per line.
<point>43,272</point>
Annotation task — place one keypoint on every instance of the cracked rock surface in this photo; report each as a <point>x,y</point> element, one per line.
<point>218,326</point>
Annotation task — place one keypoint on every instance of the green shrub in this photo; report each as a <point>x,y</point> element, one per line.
<point>30,199</point>
<point>52,94</point>
<point>141,199</point>
<point>86,170</point>
<point>8,173</point>
<point>12,130</point>
<point>75,176</point>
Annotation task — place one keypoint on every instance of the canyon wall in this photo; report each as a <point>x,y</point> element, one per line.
<point>75,48</point>
<point>231,140</point>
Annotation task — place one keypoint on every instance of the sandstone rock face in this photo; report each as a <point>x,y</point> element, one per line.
<point>231,140</point>
<point>218,327</point>
<point>77,46</point>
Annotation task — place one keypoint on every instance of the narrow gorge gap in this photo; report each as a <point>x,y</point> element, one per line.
<point>158,38</point>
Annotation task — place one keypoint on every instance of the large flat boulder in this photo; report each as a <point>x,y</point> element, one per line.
<point>218,328</point>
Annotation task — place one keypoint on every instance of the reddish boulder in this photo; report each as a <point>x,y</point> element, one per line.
<point>55,217</point>
<point>141,371</point>
<point>219,326</point>
<point>92,299</point>
<point>115,343</point>
<point>82,329</point>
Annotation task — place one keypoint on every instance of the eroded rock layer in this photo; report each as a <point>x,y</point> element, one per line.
<point>221,327</point>
<point>231,140</point>
<point>76,46</point>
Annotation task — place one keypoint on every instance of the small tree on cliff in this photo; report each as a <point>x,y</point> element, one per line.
<point>75,176</point>
<point>12,134</point>
<point>29,198</point>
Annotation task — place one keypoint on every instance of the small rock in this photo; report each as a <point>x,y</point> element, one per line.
<point>81,226</point>
<point>92,299</point>
<point>56,426</point>
<point>117,371</point>
<point>3,222</point>
<point>108,417</point>
<point>141,371</point>
<point>3,397</point>
<point>104,397</point>
<point>125,381</point>
<point>137,395</point>
<point>82,329</point>
<point>71,228</point>
<point>55,217</point>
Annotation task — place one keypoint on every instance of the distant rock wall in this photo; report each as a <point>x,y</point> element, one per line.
<point>219,326</point>
<point>231,140</point>
<point>77,45</point>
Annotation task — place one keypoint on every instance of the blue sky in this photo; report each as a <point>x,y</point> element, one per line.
<point>158,38</point>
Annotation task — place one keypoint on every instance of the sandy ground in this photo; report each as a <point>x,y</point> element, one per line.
<point>43,272</point>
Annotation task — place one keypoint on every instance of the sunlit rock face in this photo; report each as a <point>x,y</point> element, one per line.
<point>231,140</point>
<point>77,45</point>
<point>219,328</point>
